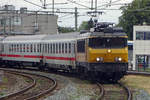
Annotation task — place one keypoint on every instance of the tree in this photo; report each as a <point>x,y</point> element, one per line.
<point>86,25</point>
<point>65,29</point>
<point>134,14</point>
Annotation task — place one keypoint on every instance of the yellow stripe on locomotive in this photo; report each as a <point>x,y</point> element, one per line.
<point>108,55</point>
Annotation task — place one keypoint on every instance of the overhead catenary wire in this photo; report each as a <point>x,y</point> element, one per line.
<point>33,3</point>
<point>78,4</point>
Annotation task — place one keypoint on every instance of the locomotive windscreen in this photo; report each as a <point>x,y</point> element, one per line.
<point>107,42</point>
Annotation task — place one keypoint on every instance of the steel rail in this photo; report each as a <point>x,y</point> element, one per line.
<point>138,73</point>
<point>127,90</point>
<point>46,91</point>
<point>21,91</point>
<point>40,94</point>
<point>101,91</point>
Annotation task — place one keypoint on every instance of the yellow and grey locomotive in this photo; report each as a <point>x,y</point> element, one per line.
<point>103,53</point>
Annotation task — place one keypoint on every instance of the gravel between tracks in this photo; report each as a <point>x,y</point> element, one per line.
<point>76,90</point>
<point>142,95</point>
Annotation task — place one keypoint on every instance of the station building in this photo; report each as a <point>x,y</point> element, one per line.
<point>141,48</point>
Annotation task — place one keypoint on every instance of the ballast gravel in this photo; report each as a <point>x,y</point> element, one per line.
<point>70,92</point>
<point>142,95</point>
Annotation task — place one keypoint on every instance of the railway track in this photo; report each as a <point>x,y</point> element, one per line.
<point>37,89</point>
<point>108,93</point>
<point>138,73</point>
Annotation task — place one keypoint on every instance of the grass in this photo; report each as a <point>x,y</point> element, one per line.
<point>137,82</point>
<point>28,80</point>
<point>144,70</point>
<point>5,80</point>
<point>1,94</point>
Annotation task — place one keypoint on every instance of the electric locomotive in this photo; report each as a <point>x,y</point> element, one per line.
<point>104,53</point>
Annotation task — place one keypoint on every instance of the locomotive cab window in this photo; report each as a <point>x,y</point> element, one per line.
<point>112,42</point>
<point>81,46</point>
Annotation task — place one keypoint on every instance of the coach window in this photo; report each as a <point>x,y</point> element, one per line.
<point>23,47</point>
<point>20,48</point>
<point>34,48</point>
<point>81,46</point>
<point>73,50</point>
<point>63,48</point>
<point>66,48</point>
<point>31,48</point>
<point>47,48</point>
<point>69,47</point>
<point>14,47</point>
<point>38,48</point>
<point>44,48</point>
<point>9,47</point>
<point>50,49</point>
<point>53,48</point>
<point>59,47</point>
<point>27,48</point>
<point>56,48</point>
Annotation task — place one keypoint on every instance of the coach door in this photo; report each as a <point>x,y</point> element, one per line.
<point>1,48</point>
<point>81,52</point>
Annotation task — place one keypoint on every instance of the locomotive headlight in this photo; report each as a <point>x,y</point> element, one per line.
<point>99,59</point>
<point>118,59</point>
<point>109,50</point>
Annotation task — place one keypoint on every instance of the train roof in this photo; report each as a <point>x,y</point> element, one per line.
<point>38,38</point>
<point>62,36</point>
<point>59,37</point>
<point>108,34</point>
<point>28,38</point>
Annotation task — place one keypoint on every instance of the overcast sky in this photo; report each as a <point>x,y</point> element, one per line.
<point>68,19</point>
